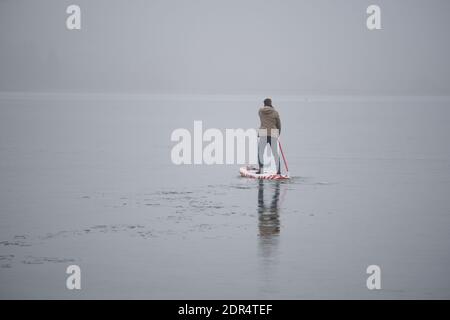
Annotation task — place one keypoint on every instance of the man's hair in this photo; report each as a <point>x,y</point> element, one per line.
<point>268,102</point>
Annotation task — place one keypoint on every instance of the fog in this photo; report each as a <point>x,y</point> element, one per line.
<point>226,47</point>
<point>90,181</point>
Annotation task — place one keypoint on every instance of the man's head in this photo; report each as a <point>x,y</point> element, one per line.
<point>268,102</point>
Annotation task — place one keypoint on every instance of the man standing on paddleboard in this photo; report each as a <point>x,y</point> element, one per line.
<point>268,133</point>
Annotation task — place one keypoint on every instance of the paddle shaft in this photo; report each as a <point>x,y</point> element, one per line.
<point>284,158</point>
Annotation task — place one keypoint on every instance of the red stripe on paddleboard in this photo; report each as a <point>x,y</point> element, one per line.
<point>245,173</point>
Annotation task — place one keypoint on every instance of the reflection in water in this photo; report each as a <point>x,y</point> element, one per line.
<point>269,229</point>
<point>269,219</point>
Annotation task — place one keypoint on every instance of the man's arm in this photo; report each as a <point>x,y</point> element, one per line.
<point>278,123</point>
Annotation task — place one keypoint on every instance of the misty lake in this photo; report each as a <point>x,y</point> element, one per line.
<point>89,181</point>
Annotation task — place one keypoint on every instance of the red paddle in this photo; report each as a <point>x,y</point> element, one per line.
<point>284,158</point>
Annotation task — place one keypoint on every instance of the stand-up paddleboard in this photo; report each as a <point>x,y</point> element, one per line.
<point>250,172</point>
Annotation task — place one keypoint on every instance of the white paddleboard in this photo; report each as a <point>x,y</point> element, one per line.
<point>250,172</point>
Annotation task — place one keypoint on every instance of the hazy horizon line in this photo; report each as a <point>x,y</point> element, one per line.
<point>216,97</point>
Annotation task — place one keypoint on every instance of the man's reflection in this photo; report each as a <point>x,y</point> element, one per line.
<point>268,216</point>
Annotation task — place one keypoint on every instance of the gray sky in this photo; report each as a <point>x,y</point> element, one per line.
<point>226,47</point>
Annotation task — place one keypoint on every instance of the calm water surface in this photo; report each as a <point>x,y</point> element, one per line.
<point>90,182</point>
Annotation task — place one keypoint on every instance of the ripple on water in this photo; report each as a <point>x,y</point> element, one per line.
<point>42,260</point>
